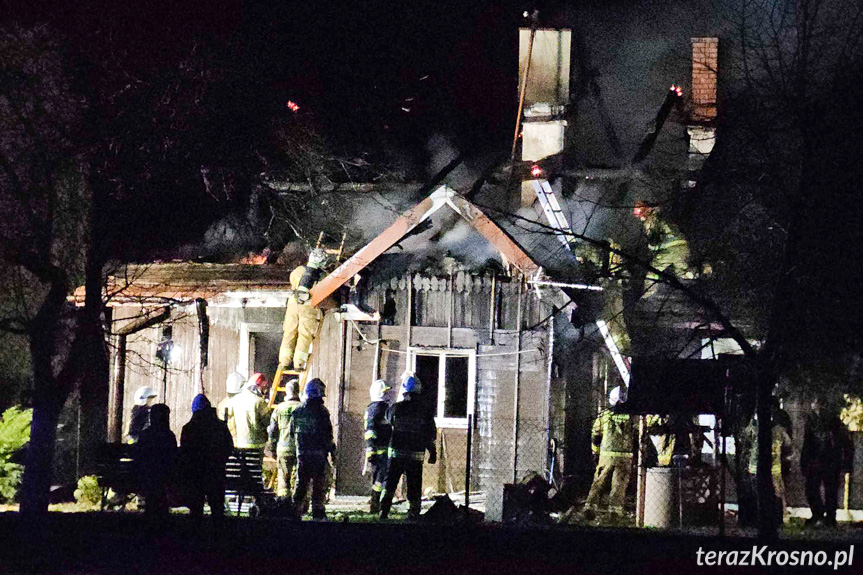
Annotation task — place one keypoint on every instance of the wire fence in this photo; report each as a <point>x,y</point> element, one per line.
<point>515,474</point>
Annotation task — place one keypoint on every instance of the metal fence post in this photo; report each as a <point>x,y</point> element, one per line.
<point>467,465</point>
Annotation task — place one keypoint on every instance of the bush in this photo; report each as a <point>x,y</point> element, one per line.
<point>14,435</point>
<point>88,492</point>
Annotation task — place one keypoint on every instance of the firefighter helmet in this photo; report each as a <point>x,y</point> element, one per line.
<point>234,384</point>
<point>410,384</point>
<point>315,389</point>
<point>257,381</point>
<point>293,389</point>
<point>143,394</point>
<point>617,395</point>
<point>318,258</point>
<point>378,390</point>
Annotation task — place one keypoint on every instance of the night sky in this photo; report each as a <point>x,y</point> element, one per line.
<point>391,82</point>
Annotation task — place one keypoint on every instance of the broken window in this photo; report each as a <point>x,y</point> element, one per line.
<point>448,379</point>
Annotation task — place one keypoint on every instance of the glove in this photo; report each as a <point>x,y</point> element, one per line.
<point>432,457</point>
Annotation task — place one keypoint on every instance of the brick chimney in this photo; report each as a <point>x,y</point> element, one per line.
<point>701,129</point>
<point>705,66</point>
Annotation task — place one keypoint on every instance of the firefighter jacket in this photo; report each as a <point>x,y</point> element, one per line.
<point>669,249</point>
<point>279,429</point>
<point>378,431</point>
<point>138,422</point>
<point>301,320</point>
<point>226,413</point>
<point>251,417</point>
<point>781,448</point>
<point>312,429</point>
<point>413,430</point>
<point>613,435</point>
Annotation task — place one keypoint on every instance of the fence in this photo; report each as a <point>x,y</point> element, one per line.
<point>636,491</point>
<point>489,454</point>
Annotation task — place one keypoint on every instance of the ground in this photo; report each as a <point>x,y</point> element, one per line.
<point>117,543</point>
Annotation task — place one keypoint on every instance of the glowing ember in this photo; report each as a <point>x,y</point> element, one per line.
<point>255,259</point>
<point>535,171</point>
<point>293,106</point>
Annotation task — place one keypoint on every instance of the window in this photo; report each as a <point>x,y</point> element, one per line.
<point>449,380</point>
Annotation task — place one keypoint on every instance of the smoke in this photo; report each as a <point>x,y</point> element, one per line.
<point>441,152</point>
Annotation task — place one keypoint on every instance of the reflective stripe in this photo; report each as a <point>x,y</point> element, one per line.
<point>370,434</point>
<point>402,454</point>
<point>615,454</point>
<point>373,451</point>
<point>376,486</point>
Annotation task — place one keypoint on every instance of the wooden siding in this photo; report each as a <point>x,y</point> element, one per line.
<point>471,301</point>
<point>142,367</point>
<point>495,386</point>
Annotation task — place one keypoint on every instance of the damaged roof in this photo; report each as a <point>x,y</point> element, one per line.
<point>187,281</point>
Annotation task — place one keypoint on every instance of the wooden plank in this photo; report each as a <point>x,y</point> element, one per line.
<point>495,235</point>
<point>405,223</point>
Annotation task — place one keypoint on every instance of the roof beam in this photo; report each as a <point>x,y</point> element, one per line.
<point>384,241</point>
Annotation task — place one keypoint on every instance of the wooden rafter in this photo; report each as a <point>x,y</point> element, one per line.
<point>409,220</point>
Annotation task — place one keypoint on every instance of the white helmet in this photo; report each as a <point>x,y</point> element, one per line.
<point>616,396</point>
<point>143,394</point>
<point>234,384</point>
<point>378,390</point>
<point>318,258</point>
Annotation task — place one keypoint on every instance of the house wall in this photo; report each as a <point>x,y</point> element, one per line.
<point>142,367</point>
<point>496,367</point>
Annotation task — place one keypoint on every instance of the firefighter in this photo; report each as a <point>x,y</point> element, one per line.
<point>672,436</point>
<point>377,437</point>
<point>280,436</point>
<point>140,419</point>
<point>301,319</point>
<point>827,452</point>
<point>312,431</point>
<point>233,386</point>
<point>670,250</point>
<point>251,413</point>
<point>782,450</point>
<point>613,439</point>
<point>413,433</point>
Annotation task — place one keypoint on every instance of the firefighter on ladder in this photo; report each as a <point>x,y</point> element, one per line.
<point>301,319</point>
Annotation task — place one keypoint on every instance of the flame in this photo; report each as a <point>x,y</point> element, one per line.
<point>677,90</point>
<point>255,259</point>
<point>293,106</point>
<point>535,171</point>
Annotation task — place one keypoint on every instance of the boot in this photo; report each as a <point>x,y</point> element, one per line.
<point>385,503</point>
<point>375,503</point>
<point>414,511</point>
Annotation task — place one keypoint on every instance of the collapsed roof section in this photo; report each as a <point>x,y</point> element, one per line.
<point>408,221</point>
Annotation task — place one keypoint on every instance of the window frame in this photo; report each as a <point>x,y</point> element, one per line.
<point>443,354</point>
